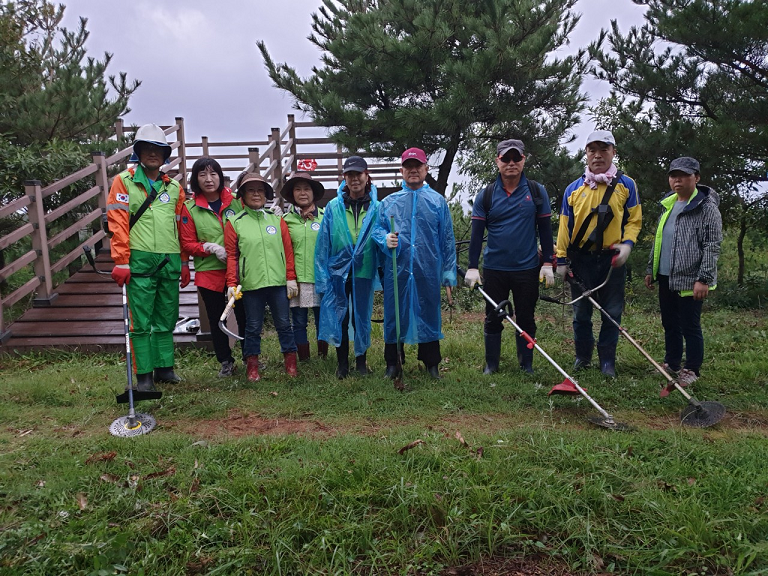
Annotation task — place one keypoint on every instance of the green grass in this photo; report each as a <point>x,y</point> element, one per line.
<point>304,476</point>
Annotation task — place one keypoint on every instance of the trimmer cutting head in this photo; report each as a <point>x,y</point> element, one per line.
<point>706,414</point>
<point>610,423</point>
<point>142,424</point>
<point>566,387</point>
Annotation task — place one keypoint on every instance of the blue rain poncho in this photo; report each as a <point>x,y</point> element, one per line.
<point>426,260</point>
<point>336,258</point>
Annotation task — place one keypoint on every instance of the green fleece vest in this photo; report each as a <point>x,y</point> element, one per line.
<point>209,229</point>
<point>262,255</point>
<point>156,231</point>
<point>304,237</point>
<point>365,269</point>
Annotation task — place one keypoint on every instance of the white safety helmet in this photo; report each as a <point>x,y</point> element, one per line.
<point>151,134</point>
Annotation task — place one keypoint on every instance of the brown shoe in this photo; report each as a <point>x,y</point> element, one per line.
<point>322,349</point>
<point>303,351</point>
<point>252,368</point>
<point>289,359</point>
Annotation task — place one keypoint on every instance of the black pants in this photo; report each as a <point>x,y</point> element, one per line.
<point>429,353</point>
<point>681,318</point>
<point>524,285</point>
<point>215,302</point>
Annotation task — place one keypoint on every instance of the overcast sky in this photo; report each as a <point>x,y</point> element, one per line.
<point>199,59</point>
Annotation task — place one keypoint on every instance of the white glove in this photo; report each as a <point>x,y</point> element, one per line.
<point>216,249</point>
<point>546,275</point>
<point>232,291</point>
<point>276,210</point>
<point>292,289</point>
<point>562,271</point>
<point>623,253</point>
<point>392,240</point>
<point>472,277</point>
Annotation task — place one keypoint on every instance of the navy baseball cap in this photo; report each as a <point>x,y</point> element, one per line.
<point>685,164</point>
<point>355,164</point>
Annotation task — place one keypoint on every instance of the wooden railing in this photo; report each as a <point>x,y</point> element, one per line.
<point>39,222</point>
<point>274,158</point>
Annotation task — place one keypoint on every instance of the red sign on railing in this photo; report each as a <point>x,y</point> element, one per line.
<point>306,164</point>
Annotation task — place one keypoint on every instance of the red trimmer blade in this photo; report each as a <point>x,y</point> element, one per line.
<point>565,387</point>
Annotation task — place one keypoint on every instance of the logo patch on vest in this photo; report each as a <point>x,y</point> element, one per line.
<point>315,226</point>
<point>122,198</point>
<point>184,220</point>
<point>271,230</point>
<point>229,213</point>
<point>164,197</point>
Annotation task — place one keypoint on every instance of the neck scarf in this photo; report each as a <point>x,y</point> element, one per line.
<point>593,180</point>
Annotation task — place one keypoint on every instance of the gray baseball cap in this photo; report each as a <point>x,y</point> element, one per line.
<point>507,145</point>
<point>601,136</point>
<point>685,164</point>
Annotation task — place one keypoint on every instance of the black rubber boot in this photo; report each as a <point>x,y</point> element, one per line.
<point>492,353</point>
<point>361,366</point>
<point>583,355</point>
<point>524,355</point>
<point>434,371</point>
<point>166,375</point>
<point>144,383</point>
<point>342,360</point>
<point>607,355</point>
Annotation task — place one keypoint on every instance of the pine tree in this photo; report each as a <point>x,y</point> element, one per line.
<point>49,87</point>
<point>693,81</point>
<point>449,76</point>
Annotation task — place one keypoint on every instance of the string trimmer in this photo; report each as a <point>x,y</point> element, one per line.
<point>134,424</point>
<point>697,414</point>
<point>569,386</point>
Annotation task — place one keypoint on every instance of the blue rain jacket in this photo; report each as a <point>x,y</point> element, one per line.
<point>426,261</point>
<point>336,258</point>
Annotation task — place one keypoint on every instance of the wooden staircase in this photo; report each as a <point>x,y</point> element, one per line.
<point>87,315</point>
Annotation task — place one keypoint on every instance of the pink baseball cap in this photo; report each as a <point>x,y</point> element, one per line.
<point>414,154</point>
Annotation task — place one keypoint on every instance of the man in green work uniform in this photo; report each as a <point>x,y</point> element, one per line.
<point>143,207</point>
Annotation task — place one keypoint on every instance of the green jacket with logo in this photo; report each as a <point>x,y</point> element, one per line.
<point>259,250</point>
<point>304,237</point>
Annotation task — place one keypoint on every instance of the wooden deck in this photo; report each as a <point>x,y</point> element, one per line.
<point>87,315</point>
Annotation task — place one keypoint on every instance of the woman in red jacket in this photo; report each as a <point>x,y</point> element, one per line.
<point>201,229</point>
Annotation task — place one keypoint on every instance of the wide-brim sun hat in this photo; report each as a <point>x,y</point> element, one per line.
<point>318,190</point>
<point>253,177</point>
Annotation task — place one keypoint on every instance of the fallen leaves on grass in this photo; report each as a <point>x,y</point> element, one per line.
<point>461,440</point>
<point>101,457</point>
<point>169,472</point>
<point>82,501</point>
<point>410,446</point>
<point>111,478</point>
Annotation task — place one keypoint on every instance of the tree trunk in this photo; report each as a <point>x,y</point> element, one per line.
<point>740,246</point>
<point>444,171</point>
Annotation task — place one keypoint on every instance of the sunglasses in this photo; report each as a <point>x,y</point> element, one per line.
<point>511,157</point>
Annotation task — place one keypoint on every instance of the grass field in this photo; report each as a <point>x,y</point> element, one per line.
<point>307,476</point>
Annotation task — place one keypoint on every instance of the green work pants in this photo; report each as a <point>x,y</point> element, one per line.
<point>153,303</point>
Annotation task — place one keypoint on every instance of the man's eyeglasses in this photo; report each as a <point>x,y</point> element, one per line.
<point>507,158</point>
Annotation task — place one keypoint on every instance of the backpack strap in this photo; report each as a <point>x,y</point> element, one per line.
<point>604,216</point>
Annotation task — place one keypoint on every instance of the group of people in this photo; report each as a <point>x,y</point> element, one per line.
<point>331,260</point>
<point>599,223</point>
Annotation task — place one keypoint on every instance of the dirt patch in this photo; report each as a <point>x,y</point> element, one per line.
<point>237,424</point>
<point>534,565</point>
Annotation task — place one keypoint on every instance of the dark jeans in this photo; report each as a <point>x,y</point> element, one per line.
<point>429,353</point>
<point>591,269</point>
<point>681,318</point>
<point>254,303</point>
<point>299,321</point>
<point>524,285</point>
<point>215,302</point>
